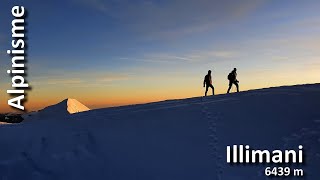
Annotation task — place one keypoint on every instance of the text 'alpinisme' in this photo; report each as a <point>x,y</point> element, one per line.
<point>19,84</point>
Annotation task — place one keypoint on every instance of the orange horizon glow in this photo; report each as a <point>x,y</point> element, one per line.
<point>34,104</point>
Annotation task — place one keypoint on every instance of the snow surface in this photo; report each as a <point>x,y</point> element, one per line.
<point>170,140</point>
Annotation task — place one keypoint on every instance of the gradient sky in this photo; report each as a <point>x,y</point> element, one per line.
<point>115,52</point>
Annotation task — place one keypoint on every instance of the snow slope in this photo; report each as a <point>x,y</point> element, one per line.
<point>171,140</point>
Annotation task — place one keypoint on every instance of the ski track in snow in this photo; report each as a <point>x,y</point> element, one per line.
<point>213,137</point>
<point>37,168</point>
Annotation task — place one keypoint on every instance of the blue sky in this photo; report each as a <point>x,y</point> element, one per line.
<point>152,44</point>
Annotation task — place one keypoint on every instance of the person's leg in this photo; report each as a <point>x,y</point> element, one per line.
<point>212,89</point>
<point>207,87</point>
<point>237,85</point>
<point>230,84</point>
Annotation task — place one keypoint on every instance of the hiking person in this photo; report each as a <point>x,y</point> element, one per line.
<point>232,77</point>
<point>207,82</point>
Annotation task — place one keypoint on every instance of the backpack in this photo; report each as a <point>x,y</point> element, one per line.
<point>231,76</point>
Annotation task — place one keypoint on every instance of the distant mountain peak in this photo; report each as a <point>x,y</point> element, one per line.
<point>67,106</point>
<point>74,106</point>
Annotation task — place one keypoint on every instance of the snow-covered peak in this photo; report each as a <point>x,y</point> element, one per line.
<point>63,108</point>
<point>74,106</point>
<point>67,106</point>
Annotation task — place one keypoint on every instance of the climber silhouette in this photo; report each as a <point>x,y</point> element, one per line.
<point>232,77</point>
<point>207,82</point>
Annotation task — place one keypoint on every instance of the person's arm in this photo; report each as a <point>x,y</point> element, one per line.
<point>204,82</point>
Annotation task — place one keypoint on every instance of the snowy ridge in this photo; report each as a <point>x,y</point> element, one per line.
<point>180,139</point>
